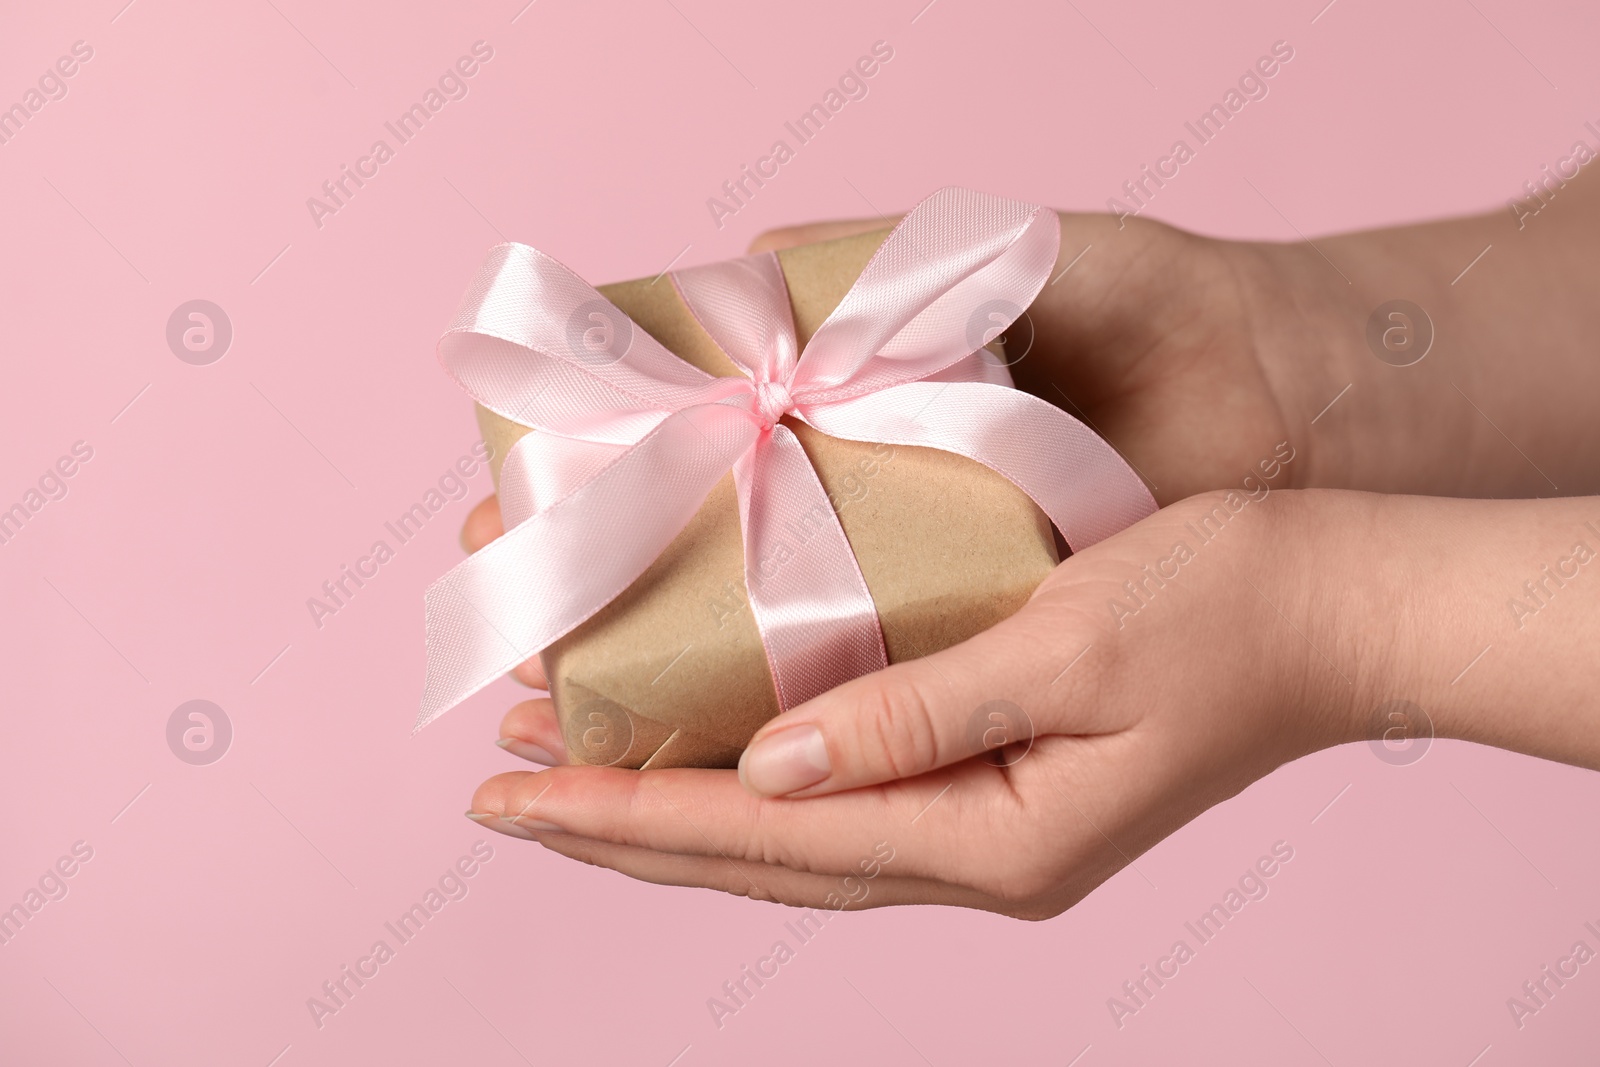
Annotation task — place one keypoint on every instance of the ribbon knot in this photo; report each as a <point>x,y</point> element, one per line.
<point>609,475</point>
<point>772,402</point>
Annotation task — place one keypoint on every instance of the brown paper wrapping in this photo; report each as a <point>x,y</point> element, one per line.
<point>672,673</point>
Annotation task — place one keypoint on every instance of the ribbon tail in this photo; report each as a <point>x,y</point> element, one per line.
<point>557,568</point>
<point>1075,477</point>
<point>815,613</point>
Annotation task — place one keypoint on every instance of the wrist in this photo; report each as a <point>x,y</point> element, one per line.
<point>1323,588</point>
<point>1435,617</point>
<point>1366,339</point>
<point>1308,338</point>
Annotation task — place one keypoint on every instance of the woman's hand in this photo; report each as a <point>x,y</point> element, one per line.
<point>1162,671</point>
<point>1021,769</point>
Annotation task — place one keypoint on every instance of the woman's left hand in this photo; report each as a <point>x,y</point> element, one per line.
<point>1014,772</point>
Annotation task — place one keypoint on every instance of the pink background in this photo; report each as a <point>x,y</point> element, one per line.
<point>179,564</point>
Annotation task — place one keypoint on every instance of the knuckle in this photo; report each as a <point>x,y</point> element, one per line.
<point>644,810</point>
<point>769,839</point>
<point>762,843</point>
<point>896,722</point>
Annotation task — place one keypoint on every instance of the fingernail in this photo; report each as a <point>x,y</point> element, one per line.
<point>785,761</point>
<point>527,750</point>
<point>511,827</point>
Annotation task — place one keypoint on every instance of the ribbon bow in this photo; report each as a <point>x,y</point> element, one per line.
<point>632,439</point>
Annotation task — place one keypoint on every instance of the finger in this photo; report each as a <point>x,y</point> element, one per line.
<point>994,690</point>
<point>530,730</point>
<point>708,813</point>
<point>790,236</point>
<point>483,524</point>
<point>759,881</point>
<point>531,674</point>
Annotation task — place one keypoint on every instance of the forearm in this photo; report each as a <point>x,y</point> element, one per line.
<point>1483,614</point>
<point>1505,402</point>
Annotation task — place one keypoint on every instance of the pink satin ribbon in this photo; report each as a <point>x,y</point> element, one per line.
<point>630,439</point>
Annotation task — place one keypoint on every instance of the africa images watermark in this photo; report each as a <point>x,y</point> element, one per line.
<point>1538,593</point>
<point>199,732</point>
<point>1154,578</point>
<point>452,485</point>
<point>50,487</point>
<point>1539,991</point>
<point>50,886</point>
<point>738,191</point>
<point>337,192</point>
<point>51,86</point>
<point>1543,190</point>
<point>1252,85</point>
<point>1399,333</point>
<point>1252,886</point>
<point>740,990</point>
<point>452,885</point>
<point>1400,732</point>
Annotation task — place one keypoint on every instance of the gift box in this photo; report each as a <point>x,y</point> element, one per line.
<point>730,488</point>
<point>673,673</point>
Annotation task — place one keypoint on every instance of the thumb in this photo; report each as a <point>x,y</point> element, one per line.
<point>988,696</point>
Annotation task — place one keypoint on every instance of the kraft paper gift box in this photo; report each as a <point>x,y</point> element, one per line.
<point>673,673</point>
